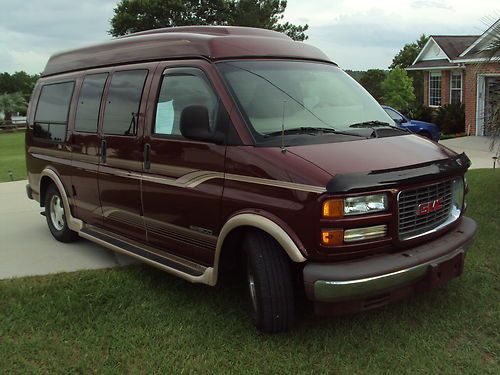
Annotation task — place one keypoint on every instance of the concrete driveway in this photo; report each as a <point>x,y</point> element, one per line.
<point>27,248</point>
<point>476,148</point>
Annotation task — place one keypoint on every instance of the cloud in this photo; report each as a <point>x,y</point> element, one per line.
<point>32,30</point>
<point>419,4</point>
<point>357,34</point>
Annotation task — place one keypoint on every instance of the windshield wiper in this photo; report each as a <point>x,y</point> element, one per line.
<point>377,124</point>
<point>310,130</point>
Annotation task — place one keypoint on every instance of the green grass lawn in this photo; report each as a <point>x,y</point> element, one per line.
<point>12,156</point>
<point>140,320</point>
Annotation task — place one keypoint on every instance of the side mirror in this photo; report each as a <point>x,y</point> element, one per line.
<point>399,121</point>
<point>195,124</point>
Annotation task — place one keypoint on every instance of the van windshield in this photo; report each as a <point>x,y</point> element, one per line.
<point>307,97</point>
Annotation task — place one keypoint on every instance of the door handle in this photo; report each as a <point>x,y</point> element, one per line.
<point>147,157</point>
<point>103,151</point>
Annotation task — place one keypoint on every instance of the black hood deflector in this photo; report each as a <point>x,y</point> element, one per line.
<point>388,178</point>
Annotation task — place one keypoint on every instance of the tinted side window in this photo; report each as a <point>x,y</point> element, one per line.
<point>182,87</point>
<point>124,97</point>
<point>51,117</point>
<point>87,113</point>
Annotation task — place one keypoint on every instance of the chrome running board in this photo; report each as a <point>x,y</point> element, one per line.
<point>175,265</point>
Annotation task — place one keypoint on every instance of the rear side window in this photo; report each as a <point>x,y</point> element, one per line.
<point>51,117</point>
<point>89,102</point>
<point>122,106</point>
<point>182,87</point>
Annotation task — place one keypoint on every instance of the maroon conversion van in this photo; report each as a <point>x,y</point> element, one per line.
<point>201,149</point>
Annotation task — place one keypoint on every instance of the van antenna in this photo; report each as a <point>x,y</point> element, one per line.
<point>283,149</point>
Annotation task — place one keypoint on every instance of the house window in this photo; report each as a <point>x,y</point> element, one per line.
<point>435,89</point>
<point>456,87</point>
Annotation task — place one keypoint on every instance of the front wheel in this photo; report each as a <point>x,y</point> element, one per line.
<point>56,216</point>
<point>270,286</point>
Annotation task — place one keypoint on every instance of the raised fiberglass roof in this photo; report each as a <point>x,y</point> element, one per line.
<point>210,42</point>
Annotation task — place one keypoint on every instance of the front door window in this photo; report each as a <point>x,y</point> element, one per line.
<point>182,87</point>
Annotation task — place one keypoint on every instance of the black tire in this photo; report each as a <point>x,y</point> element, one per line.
<point>270,285</point>
<point>58,225</point>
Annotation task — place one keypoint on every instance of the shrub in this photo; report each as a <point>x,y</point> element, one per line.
<point>451,118</point>
<point>422,113</point>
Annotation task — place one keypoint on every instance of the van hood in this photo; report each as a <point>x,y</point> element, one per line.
<point>381,162</point>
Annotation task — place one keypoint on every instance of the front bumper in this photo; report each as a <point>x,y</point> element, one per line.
<point>440,259</point>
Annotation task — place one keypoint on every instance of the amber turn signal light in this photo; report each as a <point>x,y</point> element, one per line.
<point>333,208</point>
<point>332,237</point>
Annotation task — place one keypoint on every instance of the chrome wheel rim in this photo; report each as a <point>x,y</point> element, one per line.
<point>57,213</point>
<point>251,289</point>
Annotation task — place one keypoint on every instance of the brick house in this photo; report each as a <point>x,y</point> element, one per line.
<point>455,70</point>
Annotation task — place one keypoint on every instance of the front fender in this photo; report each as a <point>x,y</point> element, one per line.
<point>267,223</point>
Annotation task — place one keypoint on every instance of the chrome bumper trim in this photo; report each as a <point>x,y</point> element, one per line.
<point>330,291</point>
<point>330,283</point>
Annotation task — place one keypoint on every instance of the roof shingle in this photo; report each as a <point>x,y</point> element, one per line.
<point>454,45</point>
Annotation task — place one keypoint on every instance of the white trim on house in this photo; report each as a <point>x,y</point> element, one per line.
<point>483,36</point>
<point>424,51</point>
<point>478,59</point>
<point>480,99</point>
<point>480,88</point>
<point>438,68</point>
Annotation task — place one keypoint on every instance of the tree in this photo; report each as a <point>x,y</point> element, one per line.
<point>398,90</point>
<point>409,53</point>
<point>137,15</point>
<point>266,14</point>
<point>11,103</point>
<point>18,82</point>
<point>356,74</point>
<point>405,58</point>
<point>372,82</point>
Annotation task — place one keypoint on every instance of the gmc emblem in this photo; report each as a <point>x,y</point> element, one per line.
<point>428,207</point>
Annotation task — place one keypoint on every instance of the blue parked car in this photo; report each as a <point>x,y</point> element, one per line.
<point>427,129</point>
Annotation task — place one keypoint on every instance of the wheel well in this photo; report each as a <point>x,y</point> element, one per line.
<point>45,182</point>
<point>231,257</point>
<point>230,260</point>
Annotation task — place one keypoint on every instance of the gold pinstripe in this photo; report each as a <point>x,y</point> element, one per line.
<point>191,179</point>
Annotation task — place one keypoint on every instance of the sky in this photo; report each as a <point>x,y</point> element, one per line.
<point>356,34</point>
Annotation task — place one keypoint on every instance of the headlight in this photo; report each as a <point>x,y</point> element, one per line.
<point>457,190</point>
<point>365,204</point>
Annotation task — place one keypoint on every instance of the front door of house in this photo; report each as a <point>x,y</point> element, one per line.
<point>491,102</point>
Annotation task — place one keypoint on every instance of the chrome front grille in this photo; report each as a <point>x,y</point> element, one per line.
<point>412,222</point>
